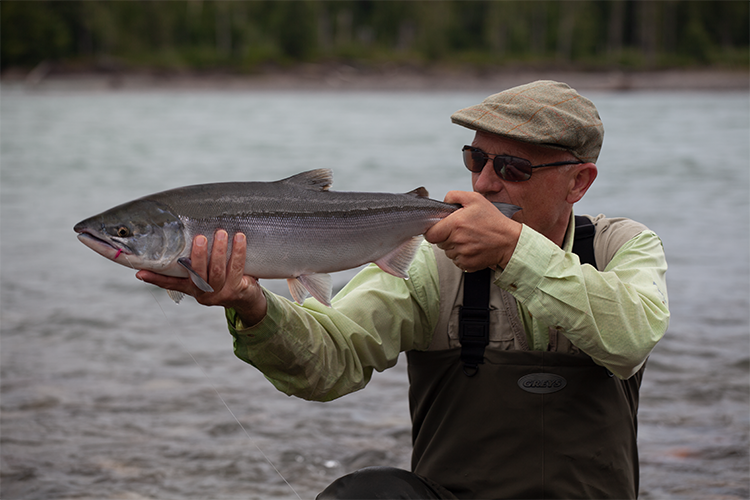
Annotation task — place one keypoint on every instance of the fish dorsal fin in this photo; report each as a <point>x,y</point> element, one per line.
<point>420,192</point>
<point>317,180</point>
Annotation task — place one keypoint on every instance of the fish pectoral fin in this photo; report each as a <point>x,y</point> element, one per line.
<point>199,282</point>
<point>397,262</point>
<point>175,295</point>
<point>319,286</point>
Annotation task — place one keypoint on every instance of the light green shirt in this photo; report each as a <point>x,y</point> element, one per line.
<point>314,352</point>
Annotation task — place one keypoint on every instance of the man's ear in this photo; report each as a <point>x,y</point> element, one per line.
<point>584,176</point>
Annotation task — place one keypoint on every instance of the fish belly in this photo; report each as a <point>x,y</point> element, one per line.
<point>297,245</point>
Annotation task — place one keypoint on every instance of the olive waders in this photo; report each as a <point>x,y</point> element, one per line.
<point>493,419</point>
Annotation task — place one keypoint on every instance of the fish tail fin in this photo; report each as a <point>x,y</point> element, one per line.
<point>506,208</point>
<point>397,262</point>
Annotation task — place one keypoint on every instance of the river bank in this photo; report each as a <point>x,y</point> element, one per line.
<point>315,77</point>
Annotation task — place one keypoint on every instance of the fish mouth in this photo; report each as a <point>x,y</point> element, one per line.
<point>99,245</point>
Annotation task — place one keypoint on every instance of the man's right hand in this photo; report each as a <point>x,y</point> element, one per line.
<point>477,235</point>
<point>232,287</point>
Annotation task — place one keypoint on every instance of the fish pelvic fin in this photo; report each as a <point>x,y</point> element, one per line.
<point>195,277</point>
<point>317,180</point>
<point>175,295</point>
<point>317,285</point>
<point>397,262</point>
<point>297,289</point>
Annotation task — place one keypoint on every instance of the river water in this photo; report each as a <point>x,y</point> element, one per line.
<point>111,391</point>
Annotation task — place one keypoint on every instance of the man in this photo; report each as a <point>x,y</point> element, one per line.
<point>534,397</point>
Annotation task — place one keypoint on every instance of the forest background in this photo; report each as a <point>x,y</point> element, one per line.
<point>193,37</point>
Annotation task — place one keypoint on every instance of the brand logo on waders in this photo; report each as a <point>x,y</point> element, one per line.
<point>542,383</point>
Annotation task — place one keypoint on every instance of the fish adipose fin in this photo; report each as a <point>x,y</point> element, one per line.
<point>317,285</point>
<point>317,180</point>
<point>421,192</point>
<point>197,280</point>
<point>397,262</point>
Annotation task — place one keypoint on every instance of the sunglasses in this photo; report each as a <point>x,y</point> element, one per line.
<point>508,168</point>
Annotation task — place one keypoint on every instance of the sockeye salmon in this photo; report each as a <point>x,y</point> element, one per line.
<point>296,229</point>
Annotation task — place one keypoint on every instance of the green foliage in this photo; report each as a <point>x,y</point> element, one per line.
<point>293,27</point>
<point>242,36</point>
<point>31,35</point>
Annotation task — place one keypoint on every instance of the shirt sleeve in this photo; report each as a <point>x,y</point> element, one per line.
<point>321,353</point>
<point>615,316</point>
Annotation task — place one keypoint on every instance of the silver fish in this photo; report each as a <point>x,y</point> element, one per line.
<point>296,229</point>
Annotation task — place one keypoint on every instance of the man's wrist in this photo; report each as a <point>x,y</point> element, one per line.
<point>515,235</point>
<point>247,314</point>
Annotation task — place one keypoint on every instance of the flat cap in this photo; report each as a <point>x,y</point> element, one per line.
<point>544,112</point>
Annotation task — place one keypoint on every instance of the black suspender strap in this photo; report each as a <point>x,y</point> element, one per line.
<point>474,319</point>
<point>583,244</point>
<point>474,316</point>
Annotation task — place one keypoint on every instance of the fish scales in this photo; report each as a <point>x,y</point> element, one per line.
<point>296,229</point>
<point>321,242</point>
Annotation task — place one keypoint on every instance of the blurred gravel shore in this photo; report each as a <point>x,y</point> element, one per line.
<point>315,77</point>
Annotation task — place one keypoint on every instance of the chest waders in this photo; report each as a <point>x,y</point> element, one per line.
<point>491,423</point>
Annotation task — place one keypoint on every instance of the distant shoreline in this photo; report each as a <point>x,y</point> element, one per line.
<point>347,78</point>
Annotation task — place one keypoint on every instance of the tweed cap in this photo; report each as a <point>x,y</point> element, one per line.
<point>544,112</point>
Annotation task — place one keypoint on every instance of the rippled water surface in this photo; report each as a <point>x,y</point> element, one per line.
<point>110,391</point>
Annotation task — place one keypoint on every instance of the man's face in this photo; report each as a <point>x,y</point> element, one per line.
<point>544,198</point>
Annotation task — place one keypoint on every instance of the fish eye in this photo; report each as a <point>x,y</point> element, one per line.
<point>123,231</point>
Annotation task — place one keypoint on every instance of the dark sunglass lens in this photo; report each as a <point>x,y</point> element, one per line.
<point>474,160</point>
<point>467,158</point>
<point>479,160</point>
<point>513,169</point>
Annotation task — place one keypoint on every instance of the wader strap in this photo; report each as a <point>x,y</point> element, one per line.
<point>474,319</point>
<point>474,316</point>
<point>583,244</point>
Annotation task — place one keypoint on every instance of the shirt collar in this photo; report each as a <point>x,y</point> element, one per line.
<point>570,233</point>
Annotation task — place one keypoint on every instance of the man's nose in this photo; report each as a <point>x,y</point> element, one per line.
<point>487,180</point>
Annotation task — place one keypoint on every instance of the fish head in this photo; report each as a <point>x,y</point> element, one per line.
<point>142,234</point>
